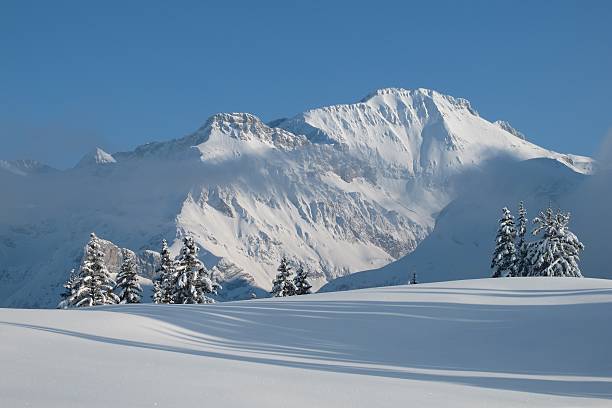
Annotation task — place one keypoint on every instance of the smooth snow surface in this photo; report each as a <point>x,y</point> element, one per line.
<point>482,343</point>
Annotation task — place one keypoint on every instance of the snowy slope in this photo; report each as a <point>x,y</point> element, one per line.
<point>342,189</point>
<point>508,342</point>
<point>465,230</point>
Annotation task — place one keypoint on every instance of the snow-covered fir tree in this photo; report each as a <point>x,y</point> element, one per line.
<point>157,294</point>
<point>283,285</point>
<point>522,260</point>
<point>301,282</point>
<point>164,285</point>
<point>557,251</point>
<point>504,255</point>
<point>70,288</point>
<point>129,289</point>
<point>193,282</point>
<point>94,285</point>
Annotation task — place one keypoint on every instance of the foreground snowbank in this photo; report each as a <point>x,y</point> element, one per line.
<point>504,342</point>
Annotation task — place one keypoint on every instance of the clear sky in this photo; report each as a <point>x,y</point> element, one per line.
<point>116,74</point>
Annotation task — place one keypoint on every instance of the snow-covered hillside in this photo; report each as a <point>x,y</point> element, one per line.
<point>482,343</point>
<point>465,229</point>
<point>342,189</point>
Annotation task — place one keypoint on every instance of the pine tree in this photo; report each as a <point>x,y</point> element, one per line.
<point>504,256</point>
<point>557,252</point>
<point>94,285</point>
<point>283,285</point>
<point>164,285</point>
<point>301,283</point>
<point>70,288</point>
<point>413,281</point>
<point>193,282</point>
<point>158,294</point>
<point>522,259</point>
<point>130,290</point>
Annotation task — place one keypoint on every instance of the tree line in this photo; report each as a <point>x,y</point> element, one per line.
<point>554,252</point>
<point>183,280</point>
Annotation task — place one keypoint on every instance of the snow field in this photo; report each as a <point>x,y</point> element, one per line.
<point>490,342</point>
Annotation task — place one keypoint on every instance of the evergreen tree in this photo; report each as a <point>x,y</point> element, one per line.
<point>193,282</point>
<point>130,290</point>
<point>522,259</point>
<point>164,285</point>
<point>413,281</point>
<point>283,285</point>
<point>70,288</point>
<point>94,285</point>
<point>504,256</point>
<point>158,293</point>
<point>557,252</point>
<point>301,283</point>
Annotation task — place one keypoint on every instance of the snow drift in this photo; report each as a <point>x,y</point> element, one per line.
<point>494,342</point>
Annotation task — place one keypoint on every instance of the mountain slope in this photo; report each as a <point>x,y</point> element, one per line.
<point>485,342</point>
<point>341,189</point>
<point>461,244</point>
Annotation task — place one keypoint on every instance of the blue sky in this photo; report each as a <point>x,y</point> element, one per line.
<point>74,75</point>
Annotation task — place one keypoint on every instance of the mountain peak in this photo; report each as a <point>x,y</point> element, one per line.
<point>96,156</point>
<point>399,92</point>
<point>390,96</point>
<point>236,124</point>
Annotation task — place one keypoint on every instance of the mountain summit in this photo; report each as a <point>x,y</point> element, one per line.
<point>421,131</point>
<point>96,157</point>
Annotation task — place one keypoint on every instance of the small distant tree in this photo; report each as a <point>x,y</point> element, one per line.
<point>522,258</point>
<point>557,252</point>
<point>301,282</point>
<point>94,285</point>
<point>413,281</point>
<point>164,285</point>
<point>283,285</point>
<point>129,289</point>
<point>193,282</point>
<point>70,288</point>
<point>504,255</point>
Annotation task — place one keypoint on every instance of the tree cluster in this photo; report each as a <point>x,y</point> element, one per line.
<point>554,252</point>
<point>182,280</point>
<point>287,284</point>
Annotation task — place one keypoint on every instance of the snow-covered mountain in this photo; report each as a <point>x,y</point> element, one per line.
<point>342,189</point>
<point>96,157</point>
